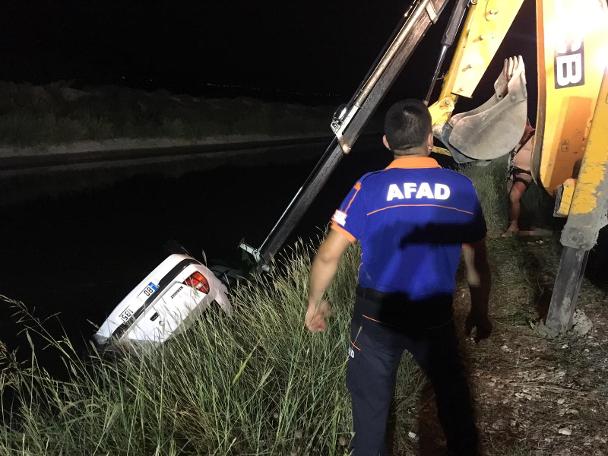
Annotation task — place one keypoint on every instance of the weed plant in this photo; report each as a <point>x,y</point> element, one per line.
<point>256,383</point>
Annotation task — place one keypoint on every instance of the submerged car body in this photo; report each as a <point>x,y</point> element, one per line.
<point>163,304</point>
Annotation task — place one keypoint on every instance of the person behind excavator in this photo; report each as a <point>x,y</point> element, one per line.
<point>412,220</point>
<point>519,177</point>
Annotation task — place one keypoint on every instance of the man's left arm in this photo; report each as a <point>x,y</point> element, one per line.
<point>478,272</point>
<point>479,279</point>
<point>322,272</point>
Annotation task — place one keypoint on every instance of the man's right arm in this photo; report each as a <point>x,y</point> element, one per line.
<point>478,277</point>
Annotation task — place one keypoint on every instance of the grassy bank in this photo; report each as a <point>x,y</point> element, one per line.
<point>257,383</point>
<point>58,114</point>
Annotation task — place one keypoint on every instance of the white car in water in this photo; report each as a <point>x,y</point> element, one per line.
<point>164,303</point>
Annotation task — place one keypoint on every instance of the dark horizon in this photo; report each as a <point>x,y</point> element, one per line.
<point>311,53</point>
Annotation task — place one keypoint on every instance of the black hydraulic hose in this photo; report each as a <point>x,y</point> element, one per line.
<point>449,36</point>
<point>454,25</point>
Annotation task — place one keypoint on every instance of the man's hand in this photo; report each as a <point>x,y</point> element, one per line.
<point>481,324</point>
<point>316,315</point>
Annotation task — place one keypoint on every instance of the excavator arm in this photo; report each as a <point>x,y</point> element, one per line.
<point>350,120</point>
<point>493,129</point>
<point>570,129</point>
<point>485,27</point>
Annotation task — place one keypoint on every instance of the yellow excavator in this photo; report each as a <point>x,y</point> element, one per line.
<point>570,157</point>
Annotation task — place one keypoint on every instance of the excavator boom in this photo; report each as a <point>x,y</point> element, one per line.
<point>570,125</point>
<point>349,122</point>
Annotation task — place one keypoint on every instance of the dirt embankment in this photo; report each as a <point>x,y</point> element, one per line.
<point>537,395</point>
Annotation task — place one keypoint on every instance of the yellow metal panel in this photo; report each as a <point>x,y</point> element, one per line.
<point>594,169</point>
<point>441,111</point>
<point>572,38</point>
<point>564,198</point>
<point>486,25</point>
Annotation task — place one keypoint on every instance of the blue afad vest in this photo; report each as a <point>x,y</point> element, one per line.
<point>411,219</point>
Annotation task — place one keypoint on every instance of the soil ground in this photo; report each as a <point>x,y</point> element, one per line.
<point>534,395</point>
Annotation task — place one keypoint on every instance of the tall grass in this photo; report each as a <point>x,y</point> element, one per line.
<point>491,184</point>
<point>256,383</point>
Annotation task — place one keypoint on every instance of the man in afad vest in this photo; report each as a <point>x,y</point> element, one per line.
<point>412,220</point>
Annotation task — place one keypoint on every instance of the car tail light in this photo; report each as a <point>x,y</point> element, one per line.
<point>198,282</point>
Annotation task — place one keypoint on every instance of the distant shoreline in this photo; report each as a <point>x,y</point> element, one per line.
<point>55,114</point>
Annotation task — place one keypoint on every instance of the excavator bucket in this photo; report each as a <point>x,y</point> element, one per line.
<point>494,128</point>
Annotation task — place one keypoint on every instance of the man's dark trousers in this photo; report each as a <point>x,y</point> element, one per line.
<point>372,367</point>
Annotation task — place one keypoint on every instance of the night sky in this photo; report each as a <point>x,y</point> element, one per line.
<point>312,52</point>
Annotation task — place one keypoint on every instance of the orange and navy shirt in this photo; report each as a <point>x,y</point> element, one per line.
<point>411,219</point>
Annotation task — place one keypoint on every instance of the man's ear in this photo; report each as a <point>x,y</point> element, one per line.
<point>429,141</point>
<point>385,142</point>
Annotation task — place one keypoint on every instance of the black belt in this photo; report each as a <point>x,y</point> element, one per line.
<point>379,296</point>
<point>400,311</point>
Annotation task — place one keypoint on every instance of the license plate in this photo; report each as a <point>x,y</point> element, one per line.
<point>148,291</point>
<point>125,315</point>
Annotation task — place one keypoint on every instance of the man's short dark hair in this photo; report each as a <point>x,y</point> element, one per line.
<point>407,124</point>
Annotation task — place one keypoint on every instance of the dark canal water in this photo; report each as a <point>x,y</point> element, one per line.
<point>78,254</point>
